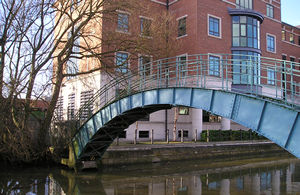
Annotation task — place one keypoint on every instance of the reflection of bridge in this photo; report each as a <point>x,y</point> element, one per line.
<point>259,93</point>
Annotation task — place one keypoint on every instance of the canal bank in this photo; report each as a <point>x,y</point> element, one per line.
<point>142,153</point>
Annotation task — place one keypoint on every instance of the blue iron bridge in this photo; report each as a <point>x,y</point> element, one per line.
<point>259,93</point>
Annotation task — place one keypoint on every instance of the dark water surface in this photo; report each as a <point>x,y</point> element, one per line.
<point>255,176</point>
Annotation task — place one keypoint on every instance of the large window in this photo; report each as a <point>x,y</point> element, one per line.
<point>270,11</point>
<point>271,43</point>
<point>60,108</point>
<point>246,67</point>
<point>214,26</point>
<point>214,65</point>
<point>87,106</point>
<point>122,62</point>
<point>145,65</point>
<point>71,106</point>
<point>271,77</point>
<point>244,4</point>
<point>245,32</point>
<point>145,27</point>
<point>123,22</point>
<point>182,27</point>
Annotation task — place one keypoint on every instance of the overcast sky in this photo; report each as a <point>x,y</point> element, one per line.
<point>290,12</point>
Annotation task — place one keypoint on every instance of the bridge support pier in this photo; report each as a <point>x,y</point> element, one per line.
<point>197,121</point>
<point>225,124</point>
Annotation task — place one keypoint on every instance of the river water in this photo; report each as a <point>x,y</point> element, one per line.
<point>276,175</point>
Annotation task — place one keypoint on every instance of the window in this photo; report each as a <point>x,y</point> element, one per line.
<point>292,38</point>
<point>182,66</point>
<point>271,77</point>
<point>299,40</point>
<point>85,105</point>
<point>60,108</point>
<point>283,35</point>
<point>71,106</point>
<point>214,26</point>
<point>72,63</point>
<point>185,133</point>
<point>122,62</point>
<point>143,134</point>
<point>244,4</point>
<point>246,67</point>
<point>270,11</point>
<point>208,117</point>
<point>183,111</point>
<point>245,32</point>
<point>145,27</point>
<point>123,22</point>
<point>182,27</point>
<point>214,65</point>
<point>293,65</point>
<point>145,65</point>
<point>271,43</point>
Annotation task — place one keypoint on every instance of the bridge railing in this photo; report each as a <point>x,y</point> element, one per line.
<point>256,76</point>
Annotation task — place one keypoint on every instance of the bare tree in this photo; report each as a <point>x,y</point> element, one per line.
<point>37,42</point>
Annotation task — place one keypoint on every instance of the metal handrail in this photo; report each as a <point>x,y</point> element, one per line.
<point>261,77</point>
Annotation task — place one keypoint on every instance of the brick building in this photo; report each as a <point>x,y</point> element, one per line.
<point>249,27</point>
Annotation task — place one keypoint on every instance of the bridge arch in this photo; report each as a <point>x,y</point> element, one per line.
<point>277,122</point>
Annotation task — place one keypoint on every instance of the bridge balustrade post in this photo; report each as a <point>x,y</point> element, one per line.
<point>201,71</point>
<point>285,84</point>
<point>222,73</point>
<point>292,84</point>
<point>276,95</point>
<point>226,72</point>
<point>117,140</point>
<point>195,136</point>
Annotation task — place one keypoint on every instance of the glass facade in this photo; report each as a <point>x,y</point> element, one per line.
<point>246,67</point>
<point>245,32</point>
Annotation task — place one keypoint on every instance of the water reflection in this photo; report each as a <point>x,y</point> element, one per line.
<point>263,177</point>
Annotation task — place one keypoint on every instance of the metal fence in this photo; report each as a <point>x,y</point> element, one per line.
<point>260,77</point>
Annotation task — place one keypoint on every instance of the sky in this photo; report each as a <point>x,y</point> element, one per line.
<point>290,12</point>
